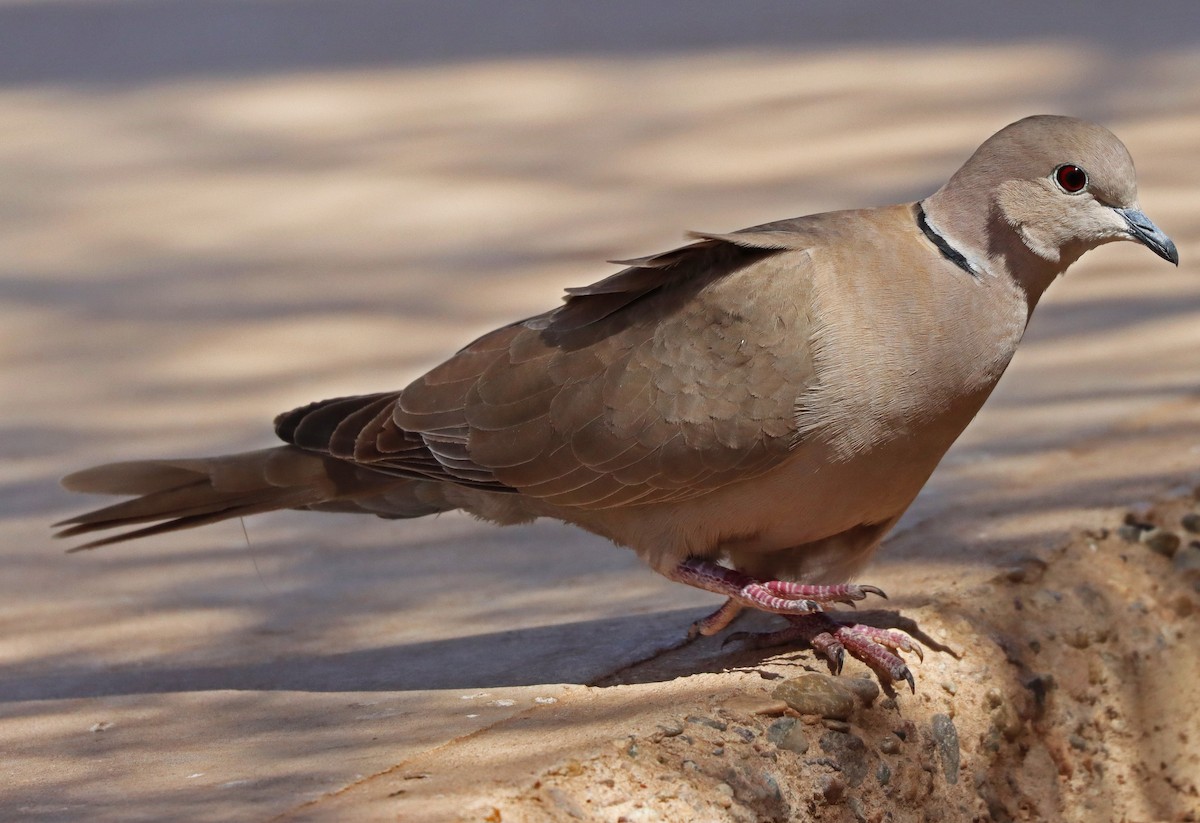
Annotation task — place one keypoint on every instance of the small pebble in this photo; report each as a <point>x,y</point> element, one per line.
<point>626,744</point>
<point>672,729</point>
<point>725,789</point>
<point>795,741</point>
<point>883,774</point>
<point>712,723</point>
<point>890,744</point>
<point>817,694</point>
<point>849,751</point>
<point>946,738</point>
<point>865,688</point>
<point>1028,570</point>
<point>744,733</point>
<point>1191,522</point>
<point>1187,561</point>
<point>836,725</point>
<point>1140,512</point>
<point>1077,637</point>
<point>1132,532</point>
<point>1161,541</point>
<point>786,733</point>
<point>1007,722</point>
<point>949,687</point>
<point>779,729</point>
<point>832,788</point>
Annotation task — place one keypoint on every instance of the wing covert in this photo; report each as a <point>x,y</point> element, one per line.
<point>668,379</point>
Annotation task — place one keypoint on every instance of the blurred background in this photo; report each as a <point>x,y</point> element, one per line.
<point>212,211</point>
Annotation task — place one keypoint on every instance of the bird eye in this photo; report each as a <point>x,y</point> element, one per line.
<point>1070,179</point>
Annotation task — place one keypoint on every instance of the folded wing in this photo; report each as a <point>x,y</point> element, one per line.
<point>669,379</point>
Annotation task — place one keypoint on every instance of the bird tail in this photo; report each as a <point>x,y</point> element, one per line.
<point>181,494</point>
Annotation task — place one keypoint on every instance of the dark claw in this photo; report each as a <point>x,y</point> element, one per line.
<point>838,660</point>
<point>912,684</point>
<point>874,590</point>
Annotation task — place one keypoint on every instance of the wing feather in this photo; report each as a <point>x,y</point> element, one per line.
<point>668,379</point>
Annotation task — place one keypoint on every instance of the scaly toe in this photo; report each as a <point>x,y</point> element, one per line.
<point>889,667</point>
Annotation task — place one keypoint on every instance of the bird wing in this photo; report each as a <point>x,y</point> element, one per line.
<point>668,379</point>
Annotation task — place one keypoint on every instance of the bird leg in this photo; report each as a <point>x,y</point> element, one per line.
<point>722,617</point>
<point>832,635</point>
<point>776,596</point>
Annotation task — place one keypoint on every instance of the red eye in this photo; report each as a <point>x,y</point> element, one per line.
<point>1070,179</point>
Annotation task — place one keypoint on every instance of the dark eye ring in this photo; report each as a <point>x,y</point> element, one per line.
<point>1070,179</point>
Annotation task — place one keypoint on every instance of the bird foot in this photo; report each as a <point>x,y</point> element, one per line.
<point>833,636</point>
<point>830,634</point>
<point>776,596</point>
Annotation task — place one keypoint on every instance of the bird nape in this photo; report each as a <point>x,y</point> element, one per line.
<point>750,412</point>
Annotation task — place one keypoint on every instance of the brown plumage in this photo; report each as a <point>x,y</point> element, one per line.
<point>772,398</point>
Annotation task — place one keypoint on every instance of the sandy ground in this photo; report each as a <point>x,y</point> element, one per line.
<point>216,211</point>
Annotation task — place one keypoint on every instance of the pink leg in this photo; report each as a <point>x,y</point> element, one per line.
<point>778,596</point>
<point>831,635</point>
<point>716,621</point>
<point>831,638</point>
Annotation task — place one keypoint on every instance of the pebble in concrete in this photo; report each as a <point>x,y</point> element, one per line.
<point>850,753</point>
<point>890,744</point>
<point>1161,541</point>
<point>817,694</point>
<point>946,738</point>
<point>712,723</point>
<point>787,734</point>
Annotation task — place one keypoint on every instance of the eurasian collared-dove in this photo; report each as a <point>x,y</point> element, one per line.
<point>773,398</point>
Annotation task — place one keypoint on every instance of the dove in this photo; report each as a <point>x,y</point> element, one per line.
<point>750,413</point>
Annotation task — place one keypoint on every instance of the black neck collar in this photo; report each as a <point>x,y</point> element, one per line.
<point>949,252</point>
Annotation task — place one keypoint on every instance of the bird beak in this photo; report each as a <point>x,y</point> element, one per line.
<point>1142,229</point>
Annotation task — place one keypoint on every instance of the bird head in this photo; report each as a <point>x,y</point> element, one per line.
<point>1060,185</point>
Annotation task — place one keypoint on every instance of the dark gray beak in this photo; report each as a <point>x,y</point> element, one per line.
<point>1143,230</point>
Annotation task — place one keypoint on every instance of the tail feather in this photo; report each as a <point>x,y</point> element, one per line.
<point>135,477</point>
<point>181,494</point>
<point>194,505</point>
